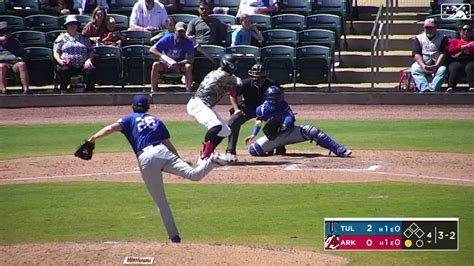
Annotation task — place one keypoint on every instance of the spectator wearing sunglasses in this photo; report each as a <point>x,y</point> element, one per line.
<point>429,53</point>
<point>206,29</point>
<point>461,50</point>
<point>101,29</point>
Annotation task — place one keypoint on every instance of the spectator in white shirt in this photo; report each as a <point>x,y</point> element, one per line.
<point>148,15</point>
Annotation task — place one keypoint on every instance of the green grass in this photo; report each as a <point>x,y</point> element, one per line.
<point>271,215</point>
<point>420,135</point>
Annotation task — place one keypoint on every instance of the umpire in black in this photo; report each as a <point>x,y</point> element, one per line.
<point>253,95</point>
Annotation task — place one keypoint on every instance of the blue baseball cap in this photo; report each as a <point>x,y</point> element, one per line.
<point>140,101</point>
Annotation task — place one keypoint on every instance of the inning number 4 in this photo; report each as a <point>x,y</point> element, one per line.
<point>146,122</point>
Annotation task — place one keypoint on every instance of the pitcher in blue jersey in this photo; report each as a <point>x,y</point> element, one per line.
<point>151,143</point>
<point>275,107</point>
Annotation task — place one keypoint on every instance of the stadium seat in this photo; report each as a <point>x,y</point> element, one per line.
<point>40,66</point>
<point>289,21</point>
<point>189,6</point>
<point>51,36</point>
<point>301,7</point>
<point>247,56</point>
<point>335,7</point>
<point>186,18</point>
<point>108,65</point>
<point>30,38</point>
<point>313,64</point>
<point>263,22</point>
<point>43,23</point>
<point>226,19</point>
<point>279,60</point>
<point>280,37</point>
<point>203,65</point>
<point>319,37</point>
<point>14,22</point>
<point>122,7</point>
<point>136,37</point>
<point>448,33</point>
<point>137,63</point>
<point>231,5</point>
<point>327,22</point>
<point>83,19</point>
<point>121,21</point>
<point>23,7</point>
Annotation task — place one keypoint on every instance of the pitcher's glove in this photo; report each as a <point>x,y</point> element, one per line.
<point>273,128</point>
<point>85,150</point>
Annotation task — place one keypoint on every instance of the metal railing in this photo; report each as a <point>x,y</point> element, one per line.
<point>379,38</point>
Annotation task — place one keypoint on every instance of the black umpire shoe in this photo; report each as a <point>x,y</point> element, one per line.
<point>280,150</point>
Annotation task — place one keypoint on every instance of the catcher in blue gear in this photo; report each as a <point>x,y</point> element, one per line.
<point>280,128</point>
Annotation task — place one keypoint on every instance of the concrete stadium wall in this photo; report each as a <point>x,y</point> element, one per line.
<point>362,98</point>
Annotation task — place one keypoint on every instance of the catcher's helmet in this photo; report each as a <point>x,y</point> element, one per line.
<point>229,63</point>
<point>258,75</point>
<point>140,104</point>
<point>273,96</point>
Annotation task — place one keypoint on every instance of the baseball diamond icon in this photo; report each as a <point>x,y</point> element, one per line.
<point>414,229</point>
<point>455,11</point>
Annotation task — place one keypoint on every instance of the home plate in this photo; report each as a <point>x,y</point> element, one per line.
<point>138,260</point>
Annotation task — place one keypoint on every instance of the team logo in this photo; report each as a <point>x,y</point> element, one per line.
<point>331,242</point>
<point>455,11</point>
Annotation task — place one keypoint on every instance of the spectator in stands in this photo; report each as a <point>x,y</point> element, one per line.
<point>74,54</point>
<point>82,5</point>
<point>101,29</point>
<point>12,58</point>
<point>246,33</point>
<point>462,58</point>
<point>179,49</point>
<point>170,28</point>
<point>62,7</point>
<point>170,5</point>
<point>429,53</point>
<point>148,15</point>
<point>205,29</point>
<point>251,7</point>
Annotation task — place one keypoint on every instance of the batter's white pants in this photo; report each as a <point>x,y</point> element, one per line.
<point>157,159</point>
<point>206,116</point>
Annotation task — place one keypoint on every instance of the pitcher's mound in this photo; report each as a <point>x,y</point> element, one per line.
<point>113,253</point>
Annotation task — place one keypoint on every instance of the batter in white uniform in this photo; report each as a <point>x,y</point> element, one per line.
<point>210,92</point>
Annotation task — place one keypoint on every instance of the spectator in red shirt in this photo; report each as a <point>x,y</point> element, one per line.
<point>461,51</point>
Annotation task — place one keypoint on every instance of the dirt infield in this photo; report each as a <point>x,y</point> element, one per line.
<point>296,167</point>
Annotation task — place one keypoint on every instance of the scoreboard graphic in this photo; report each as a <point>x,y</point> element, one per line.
<point>391,234</point>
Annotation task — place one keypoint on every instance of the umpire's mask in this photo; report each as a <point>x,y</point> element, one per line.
<point>258,75</point>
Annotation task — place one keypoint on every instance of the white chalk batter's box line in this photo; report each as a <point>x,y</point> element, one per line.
<point>288,167</point>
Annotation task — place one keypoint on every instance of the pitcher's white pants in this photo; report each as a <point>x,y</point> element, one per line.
<point>157,159</point>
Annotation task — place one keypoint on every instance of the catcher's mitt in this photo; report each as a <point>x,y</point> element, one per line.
<point>85,150</point>
<point>272,129</point>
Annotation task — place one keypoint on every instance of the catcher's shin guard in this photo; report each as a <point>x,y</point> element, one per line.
<point>255,149</point>
<point>322,139</point>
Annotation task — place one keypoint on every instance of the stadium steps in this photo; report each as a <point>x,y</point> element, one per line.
<point>353,73</point>
<point>362,59</point>
<point>397,42</point>
<point>363,74</point>
<point>412,27</point>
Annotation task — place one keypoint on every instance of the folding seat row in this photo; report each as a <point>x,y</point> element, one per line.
<point>310,64</point>
<point>47,23</point>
